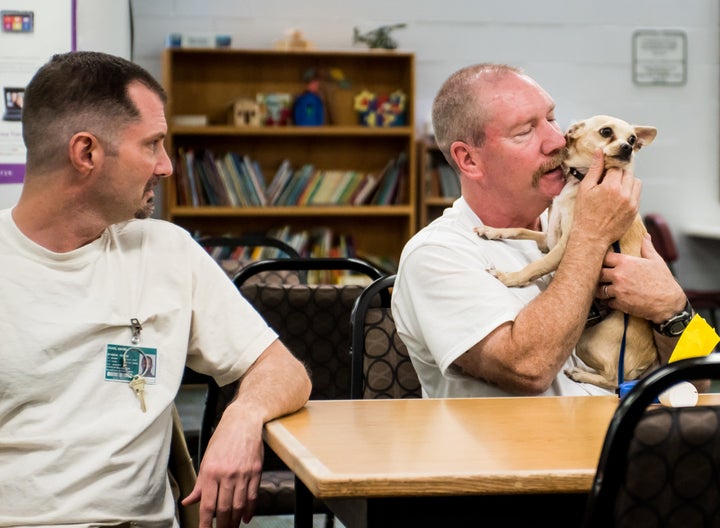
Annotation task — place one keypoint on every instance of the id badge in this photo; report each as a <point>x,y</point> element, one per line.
<point>123,362</point>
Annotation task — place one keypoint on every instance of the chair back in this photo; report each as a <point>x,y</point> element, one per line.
<point>703,301</point>
<point>662,237</point>
<point>660,467</point>
<point>312,320</point>
<point>381,366</point>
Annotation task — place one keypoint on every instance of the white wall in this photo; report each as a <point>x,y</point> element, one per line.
<point>579,51</point>
<point>101,25</point>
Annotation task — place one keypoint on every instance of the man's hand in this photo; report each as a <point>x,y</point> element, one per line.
<point>642,286</point>
<point>227,485</point>
<point>229,473</point>
<point>606,206</point>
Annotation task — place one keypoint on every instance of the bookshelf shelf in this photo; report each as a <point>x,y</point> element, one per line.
<point>295,210</point>
<point>280,131</point>
<point>206,82</point>
<point>433,198</point>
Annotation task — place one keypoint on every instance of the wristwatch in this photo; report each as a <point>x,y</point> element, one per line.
<point>676,325</point>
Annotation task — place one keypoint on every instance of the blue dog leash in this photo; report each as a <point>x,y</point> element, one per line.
<point>621,359</point>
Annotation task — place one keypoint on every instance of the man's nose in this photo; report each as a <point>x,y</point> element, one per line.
<point>164,167</point>
<point>555,138</point>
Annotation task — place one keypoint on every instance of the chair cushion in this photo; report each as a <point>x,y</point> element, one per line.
<point>672,474</point>
<point>313,321</point>
<point>387,368</point>
<point>276,495</point>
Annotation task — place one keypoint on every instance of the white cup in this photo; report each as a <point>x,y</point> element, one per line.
<point>683,394</point>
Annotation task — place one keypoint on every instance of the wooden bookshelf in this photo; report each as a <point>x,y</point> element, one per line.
<point>207,81</point>
<point>431,198</point>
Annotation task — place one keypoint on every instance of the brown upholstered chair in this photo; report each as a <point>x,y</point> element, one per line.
<point>381,367</point>
<point>313,321</point>
<point>707,301</point>
<point>660,467</point>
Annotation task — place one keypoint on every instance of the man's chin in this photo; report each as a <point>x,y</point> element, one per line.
<point>551,183</point>
<point>145,212</point>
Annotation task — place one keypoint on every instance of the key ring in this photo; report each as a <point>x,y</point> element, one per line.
<point>142,358</point>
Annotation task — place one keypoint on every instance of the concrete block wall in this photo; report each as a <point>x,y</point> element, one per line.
<point>580,51</point>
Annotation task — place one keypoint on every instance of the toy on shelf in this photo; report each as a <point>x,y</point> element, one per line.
<point>378,38</point>
<point>381,110</point>
<point>308,108</point>
<point>293,40</point>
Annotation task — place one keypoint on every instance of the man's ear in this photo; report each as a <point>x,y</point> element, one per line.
<point>84,150</point>
<point>464,158</point>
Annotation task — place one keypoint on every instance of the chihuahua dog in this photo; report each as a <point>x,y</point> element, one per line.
<point>599,345</point>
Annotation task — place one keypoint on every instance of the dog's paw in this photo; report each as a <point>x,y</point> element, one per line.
<point>490,233</point>
<point>509,279</point>
<point>572,373</point>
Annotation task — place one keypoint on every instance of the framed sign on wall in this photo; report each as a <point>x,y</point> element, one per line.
<point>660,57</point>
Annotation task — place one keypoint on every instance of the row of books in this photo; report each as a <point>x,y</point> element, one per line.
<point>443,181</point>
<point>317,242</point>
<point>236,180</point>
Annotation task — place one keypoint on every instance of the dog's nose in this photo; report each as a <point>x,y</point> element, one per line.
<point>626,151</point>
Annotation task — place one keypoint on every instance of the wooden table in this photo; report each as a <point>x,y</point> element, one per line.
<point>445,462</point>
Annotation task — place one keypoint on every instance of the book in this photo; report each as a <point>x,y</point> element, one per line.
<point>294,186</point>
<point>226,179</point>
<point>365,191</point>
<point>341,188</point>
<point>193,182</point>
<point>249,189</point>
<point>351,188</point>
<point>222,186</point>
<point>279,181</point>
<point>228,169</point>
<point>388,183</point>
<point>328,185</point>
<point>449,181</point>
<point>182,186</point>
<point>305,174</point>
<point>205,183</point>
<point>399,195</point>
<point>310,189</point>
<point>236,180</point>
<point>256,178</point>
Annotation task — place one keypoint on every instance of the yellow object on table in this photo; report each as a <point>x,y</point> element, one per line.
<point>698,339</point>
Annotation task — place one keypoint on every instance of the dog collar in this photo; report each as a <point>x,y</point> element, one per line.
<point>574,171</point>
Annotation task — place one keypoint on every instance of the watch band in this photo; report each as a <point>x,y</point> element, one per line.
<point>676,325</point>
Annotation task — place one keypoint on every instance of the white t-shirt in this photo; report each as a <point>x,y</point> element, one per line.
<point>444,302</point>
<point>75,447</point>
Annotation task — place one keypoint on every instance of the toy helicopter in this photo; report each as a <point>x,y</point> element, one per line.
<point>377,38</point>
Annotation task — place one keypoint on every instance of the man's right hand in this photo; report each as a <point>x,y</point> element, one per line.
<point>606,205</point>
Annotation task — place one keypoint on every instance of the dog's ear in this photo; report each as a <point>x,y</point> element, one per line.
<point>574,130</point>
<point>645,136</point>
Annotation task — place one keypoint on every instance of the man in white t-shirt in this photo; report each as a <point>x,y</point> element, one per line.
<point>469,335</point>
<point>101,310</point>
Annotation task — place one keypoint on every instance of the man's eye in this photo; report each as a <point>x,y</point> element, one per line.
<point>606,132</point>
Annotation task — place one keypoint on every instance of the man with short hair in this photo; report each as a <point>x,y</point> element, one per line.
<point>88,291</point>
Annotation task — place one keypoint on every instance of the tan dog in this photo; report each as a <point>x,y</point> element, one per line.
<point>599,345</point>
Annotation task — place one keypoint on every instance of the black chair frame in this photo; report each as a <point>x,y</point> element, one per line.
<point>303,264</point>
<point>380,286</point>
<point>249,240</point>
<point>611,468</point>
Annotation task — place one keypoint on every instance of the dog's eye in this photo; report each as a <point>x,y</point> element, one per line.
<point>606,132</point>
<point>631,140</point>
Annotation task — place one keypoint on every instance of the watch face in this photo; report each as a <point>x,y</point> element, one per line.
<point>677,327</point>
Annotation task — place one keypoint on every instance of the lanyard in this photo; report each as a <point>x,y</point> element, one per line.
<point>626,318</point>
